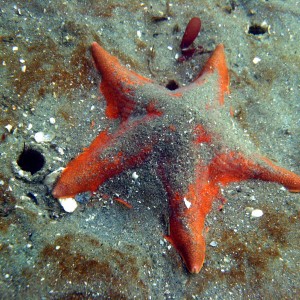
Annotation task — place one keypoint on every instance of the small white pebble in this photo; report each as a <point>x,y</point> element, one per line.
<point>256,60</point>
<point>23,69</point>
<point>135,175</point>
<point>170,48</point>
<point>187,203</point>
<point>22,60</point>
<point>41,137</point>
<point>7,276</point>
<point>60,151</point>
<point>29,245</point>
<point>57,247</point>
<point>8,127</point>
<point>256,213</point>
<point>15,48</point>
<point>52,120</point>
<point>139,34</point>
<point>29,126</point>
<point>213,244</point>
<point>68,204</point>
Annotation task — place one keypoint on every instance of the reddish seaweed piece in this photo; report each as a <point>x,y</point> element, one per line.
<point>191,32</point>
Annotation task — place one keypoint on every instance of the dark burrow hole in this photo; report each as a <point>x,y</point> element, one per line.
<point>257,29</point>
<point>172,85</point>
<point>31,160</point>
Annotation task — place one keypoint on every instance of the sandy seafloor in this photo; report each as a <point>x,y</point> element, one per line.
<point>104,250</point>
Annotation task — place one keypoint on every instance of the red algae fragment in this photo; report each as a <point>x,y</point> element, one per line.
<point>191,32</point>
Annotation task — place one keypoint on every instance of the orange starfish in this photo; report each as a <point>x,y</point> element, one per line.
<point>190,135</point>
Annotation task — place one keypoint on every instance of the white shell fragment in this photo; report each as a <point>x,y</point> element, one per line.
<point>8,127</point>
<point>135,175</point>
<point>51,178</point>
<point>213,244</point>
<point>256,213</point>
<point>256,60</point>
<point>187,203</point>
<point>60,151</point>
<point>41,137</point>
<point>52,120</point>
<point>68,204</point>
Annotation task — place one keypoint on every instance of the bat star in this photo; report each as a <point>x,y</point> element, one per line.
<point>190,134</point>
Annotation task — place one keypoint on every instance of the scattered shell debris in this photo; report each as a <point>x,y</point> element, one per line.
<point>52,120</point>
<point>51,178</point>
<point>68,204</point>
<point>41,137</point>
<point>256,213</point>
<point>256,60</point>
<point>8,127</point>
<point>60,151</point>
<point>135,175</point>
<point>213,244</point>
<point>187,203</point>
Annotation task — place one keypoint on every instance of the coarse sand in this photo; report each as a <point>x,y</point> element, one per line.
<point>51,108</point>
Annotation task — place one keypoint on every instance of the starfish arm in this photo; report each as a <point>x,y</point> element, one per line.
<point>215,66</point>
<point>189,208</point>
<point>186,220</point>
<point>118,83</point>
<point>186,229</point>
<point>107,156</point>
<point>217,63</point>
<point>234,166</point>
<point>266,170</point>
